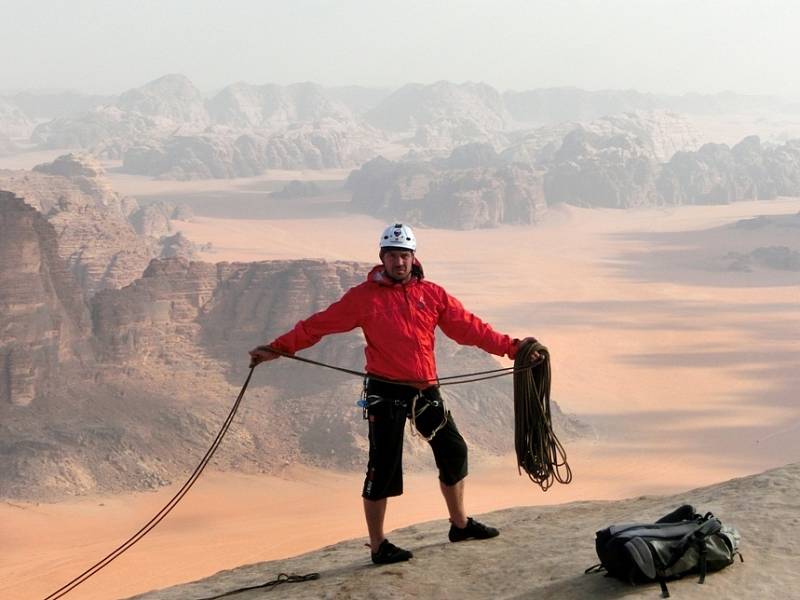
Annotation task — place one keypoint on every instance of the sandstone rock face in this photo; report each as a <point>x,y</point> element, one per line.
<point>99,128</point>
<point>717,174</point>
<point>188,157</point>
<point>594,170</point>
<point>436,195</point>
<point>273,107</point>
<point>320,145</point>
<point>154,219</point>
<point>657,134</point>
<point>171,98</point>
<point>44,322</point>
<point>95,237</point>
<point>324,144</point>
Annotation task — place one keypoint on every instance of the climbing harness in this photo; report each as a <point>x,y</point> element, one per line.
<point>369,400</point>
<point>416,413</point>
<point>539,453</point>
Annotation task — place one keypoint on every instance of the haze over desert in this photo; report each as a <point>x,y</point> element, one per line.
<point>682,370</point>
<point>183,182</point>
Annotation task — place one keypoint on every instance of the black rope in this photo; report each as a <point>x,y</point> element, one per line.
<point>539,453</point>
<point>441,381</point>
<point>281,578</point>
<point>68,587</point>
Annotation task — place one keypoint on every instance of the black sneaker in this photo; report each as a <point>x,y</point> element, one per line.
<point>473,530</point>
<point>388,553</point>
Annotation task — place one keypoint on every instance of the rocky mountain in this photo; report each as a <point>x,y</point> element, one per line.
<point>170,352</point>
<point>718,174</point>
<point>657,134</point>
<point>461,192</point>
<point>102,127</point>
<point>172,99</point>
<point>323,144</point>
<point>195,157</point>
<point>415,105</point>
<point>358,99</point>
<point>96,228</point>
<point>14,123</point>
<point>320,145</point>
<point>614,164</point>
<point>159,108</point>
<point>595,170</point>
<point>44,321</point>
<point>273,107</point>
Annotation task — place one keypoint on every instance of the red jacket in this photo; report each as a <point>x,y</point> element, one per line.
<point>399,322</point>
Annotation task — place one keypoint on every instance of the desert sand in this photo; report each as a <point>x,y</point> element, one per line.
<point>687,372</point>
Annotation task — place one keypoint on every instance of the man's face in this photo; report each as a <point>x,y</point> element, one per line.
<point>397,264</point>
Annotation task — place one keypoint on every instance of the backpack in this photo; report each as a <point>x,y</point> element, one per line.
<point>679,543</point>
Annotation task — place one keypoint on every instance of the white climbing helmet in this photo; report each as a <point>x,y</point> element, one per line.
<point>398,236</point>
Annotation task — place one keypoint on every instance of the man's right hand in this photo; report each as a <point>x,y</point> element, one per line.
<point>262,354</point>
<point>534,357</point>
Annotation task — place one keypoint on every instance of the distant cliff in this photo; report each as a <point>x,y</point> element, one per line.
<point>106,239</point>
<point>477,187</point>
<point>471,189</point>
<point>44,321</point>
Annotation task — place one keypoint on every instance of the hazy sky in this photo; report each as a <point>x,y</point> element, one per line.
<point>665,46</point>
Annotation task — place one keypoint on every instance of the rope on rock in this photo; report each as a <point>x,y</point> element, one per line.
<point>539,453</point>
<point>281,578</point>
<point>159,516</point>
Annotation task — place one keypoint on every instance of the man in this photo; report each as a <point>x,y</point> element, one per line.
<point>398,310</point>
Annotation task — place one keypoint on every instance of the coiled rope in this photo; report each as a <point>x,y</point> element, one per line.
<point>539,453</point>
<point>531,406</point>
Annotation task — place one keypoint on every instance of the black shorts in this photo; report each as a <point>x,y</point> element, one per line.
<point>389,405</point>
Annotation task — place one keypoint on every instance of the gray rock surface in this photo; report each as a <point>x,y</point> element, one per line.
<point>542,552</point>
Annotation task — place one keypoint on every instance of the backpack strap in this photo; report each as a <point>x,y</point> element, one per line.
<point>703,548</point>
<point>664,589</point>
